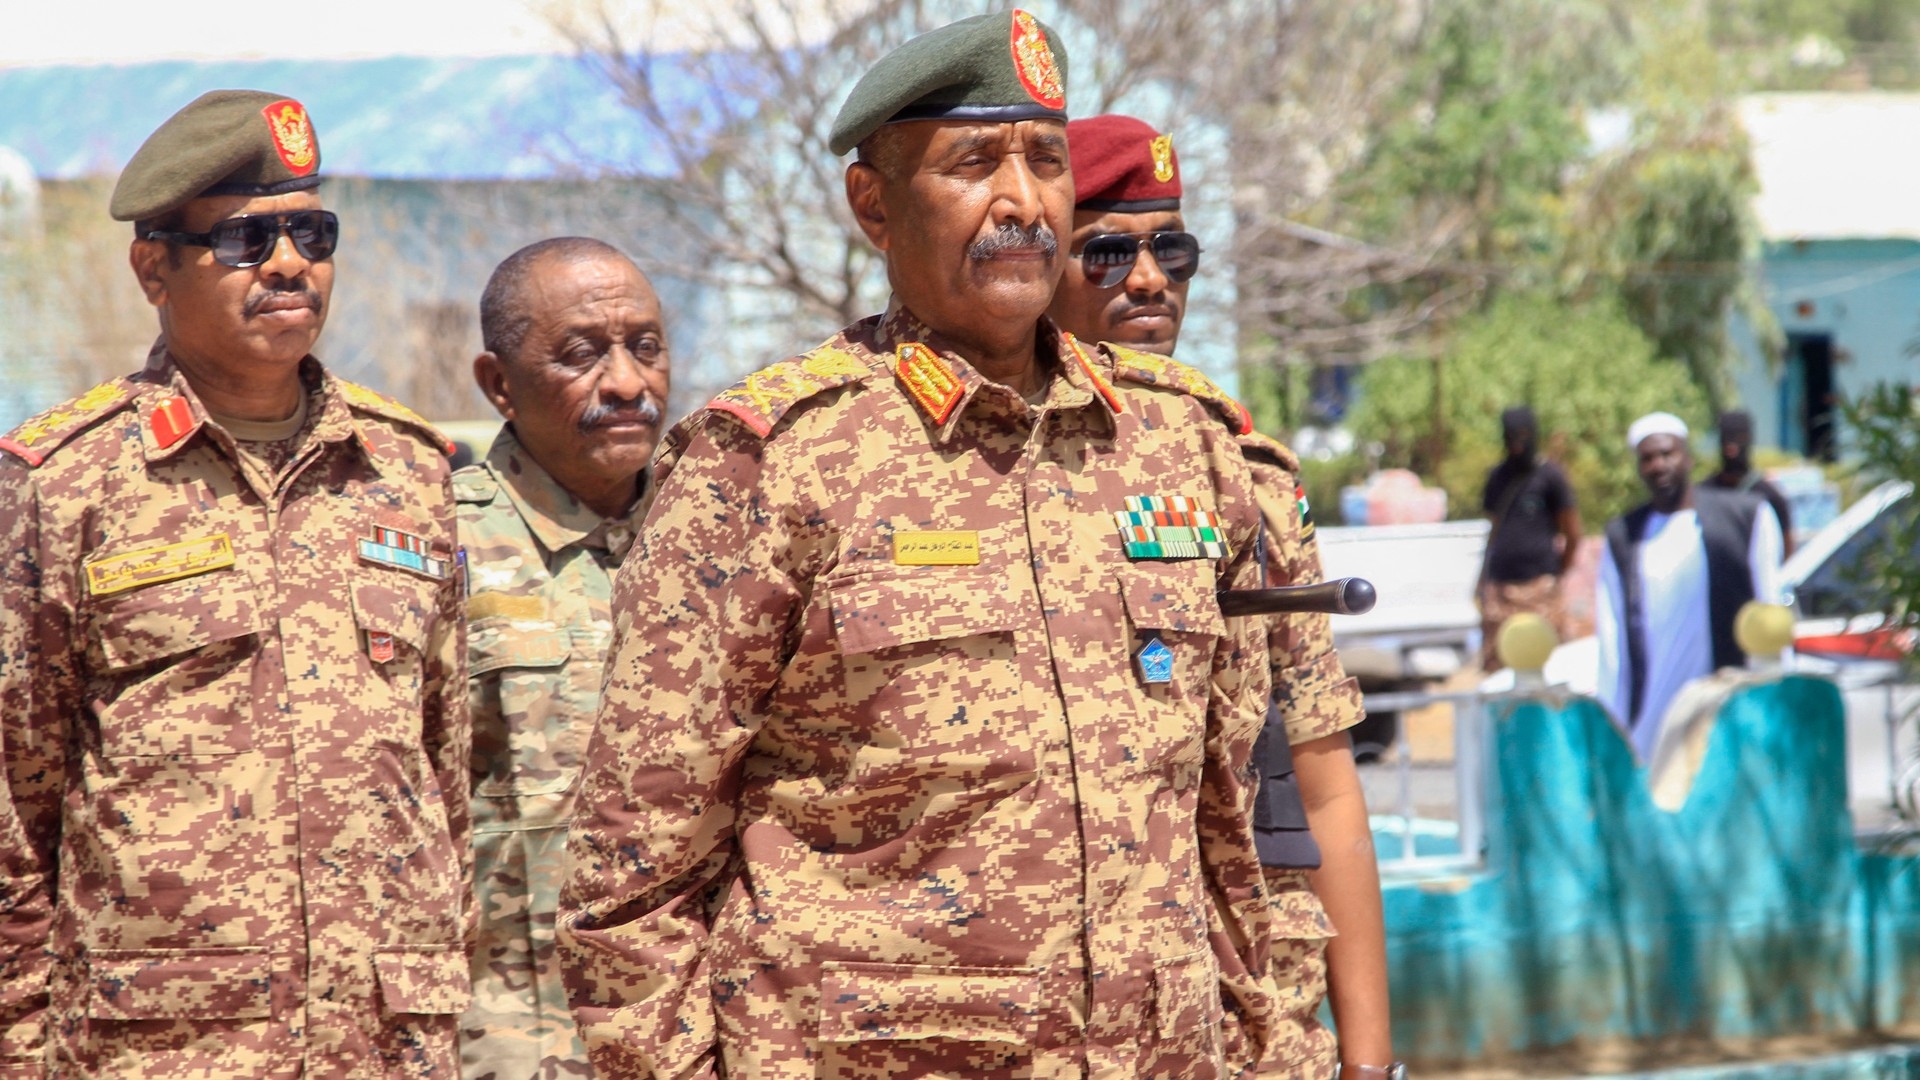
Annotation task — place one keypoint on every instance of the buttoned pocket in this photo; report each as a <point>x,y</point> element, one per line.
<point>874,612</point>
<point>177,665</point>
<point>911,1019</point>
<point>423,979</point>
<point>531,712</point>
<point>179,984</point>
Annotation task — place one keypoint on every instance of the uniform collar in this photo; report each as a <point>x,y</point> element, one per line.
<point>171,413</point>
<point>552,514</point>
<point>943,385</point>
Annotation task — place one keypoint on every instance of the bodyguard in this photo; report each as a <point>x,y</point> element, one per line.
<point>576,361</point>
<point>233,817</point>
<point>924,749</point>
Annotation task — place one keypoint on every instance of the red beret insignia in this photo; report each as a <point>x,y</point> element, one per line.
<point>292,135</point>
<point>1162,151</point>
<point>1033,59</point>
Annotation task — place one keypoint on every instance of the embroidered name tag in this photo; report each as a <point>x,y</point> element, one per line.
<point>1169,527</point>
<point>949,548</point>
<point>167,562</point>
<point>485,605</point>
<point>391,547</point>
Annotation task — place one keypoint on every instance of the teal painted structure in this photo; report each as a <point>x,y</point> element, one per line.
<point>1599,919</point>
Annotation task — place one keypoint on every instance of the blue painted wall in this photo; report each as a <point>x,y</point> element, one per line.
<point>1865,293</point>
<point>1600,919</point>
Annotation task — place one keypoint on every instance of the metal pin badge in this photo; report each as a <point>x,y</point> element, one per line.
<point>1156,661</point>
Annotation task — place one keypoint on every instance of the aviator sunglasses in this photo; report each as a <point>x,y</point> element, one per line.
<point>1108,258</point>
<point>250,240</point>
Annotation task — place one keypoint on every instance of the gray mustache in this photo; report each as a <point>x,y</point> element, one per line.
<point>1015,238</point>
<point>642,410</point>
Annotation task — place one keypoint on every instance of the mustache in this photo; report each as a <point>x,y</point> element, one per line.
<point>641,409</point>
<point>274,292</point>
<point>1010,237</point>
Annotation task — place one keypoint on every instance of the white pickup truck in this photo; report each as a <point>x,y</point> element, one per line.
<point>1424,626</point>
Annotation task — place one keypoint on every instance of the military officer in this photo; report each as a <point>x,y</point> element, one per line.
<point>924,747</point>
<point>576,361</point>
<point>233,815</point>
<point>1133,259</point>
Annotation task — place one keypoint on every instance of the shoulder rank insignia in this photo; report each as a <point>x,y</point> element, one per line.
<point>474,484</point>
<point>1100,386</point>
<point>385,407</point>
<point>41,435</point>
<point>1170,527</point>
<point>930,380</point>
<point>762,398</point>
<point>1156,370</point>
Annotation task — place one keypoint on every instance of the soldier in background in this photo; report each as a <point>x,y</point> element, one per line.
<point>924,748</point>
<point>1133,260</point>
<point>576,361</point>
<point>233,816</point>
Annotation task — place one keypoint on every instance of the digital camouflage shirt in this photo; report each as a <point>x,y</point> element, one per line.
<point>540,566</point>
<point>233,814</point>
<point>925,745</point>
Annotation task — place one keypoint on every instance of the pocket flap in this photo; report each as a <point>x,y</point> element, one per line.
<point>1171,597</point>
<point>495,643</point>
<point>161,621</point>
<point>1186,995</point>
<point>180,984</point>
<point>884,1002</point>
<point>423,979</point>
<point>924,603</point>
<point>400,608</point>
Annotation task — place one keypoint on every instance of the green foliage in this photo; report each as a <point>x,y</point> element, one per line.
<point>1885,428</point>
<point>1586,370</point>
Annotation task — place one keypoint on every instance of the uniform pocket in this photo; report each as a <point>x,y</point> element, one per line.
<point>176,661</point>
<point>862,1002</point>
<point>427,979</point>
<point>874,612</point>
<point>530,717</point>
<point>1187,1017</point>
<point>180,984</point>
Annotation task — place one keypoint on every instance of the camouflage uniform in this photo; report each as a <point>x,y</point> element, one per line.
<point>233,823</point>
<point>1316,698</point>
<point>851,812</point>
<point>540,565</point>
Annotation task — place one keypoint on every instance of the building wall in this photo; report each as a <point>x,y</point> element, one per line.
<point>1865,294</point>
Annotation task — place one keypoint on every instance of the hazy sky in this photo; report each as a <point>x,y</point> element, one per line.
<point>34,32</point>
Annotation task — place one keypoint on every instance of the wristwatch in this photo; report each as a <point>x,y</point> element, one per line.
<point>1395,1071</point>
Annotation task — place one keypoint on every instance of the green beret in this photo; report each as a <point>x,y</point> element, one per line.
<point>1001,68</point>
<point>225,142</point>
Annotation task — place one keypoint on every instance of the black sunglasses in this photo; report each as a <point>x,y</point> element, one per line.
<point>250,240</point>
<point>1108,258</point>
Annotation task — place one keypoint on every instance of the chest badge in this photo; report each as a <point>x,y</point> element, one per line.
<point>391,547</point>
<point>1170,527</point>
<point>951,547</point>
<point>379,646</point>
<point>1156,661</point>
<point>161,562</point>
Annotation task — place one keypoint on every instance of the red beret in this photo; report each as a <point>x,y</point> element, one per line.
<point>1120,163</point>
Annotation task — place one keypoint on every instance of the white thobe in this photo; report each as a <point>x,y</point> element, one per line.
<point>1679,645</point>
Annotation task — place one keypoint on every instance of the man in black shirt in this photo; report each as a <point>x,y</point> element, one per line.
<point>1531,505</point>
<point>1738,474</point>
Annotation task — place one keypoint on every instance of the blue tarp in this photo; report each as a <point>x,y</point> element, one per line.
<point>423,118</point>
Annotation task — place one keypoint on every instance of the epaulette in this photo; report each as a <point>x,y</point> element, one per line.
<point>386,408</point>
<point>45,433</point>
<point>474,484</point>
<point>1156,370</point>
<point>762,398</point>
<point>1254,443</point>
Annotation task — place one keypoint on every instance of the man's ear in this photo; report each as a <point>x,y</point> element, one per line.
<point>491,376</point>
<point>145,256</point>
<point>865,195</point>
